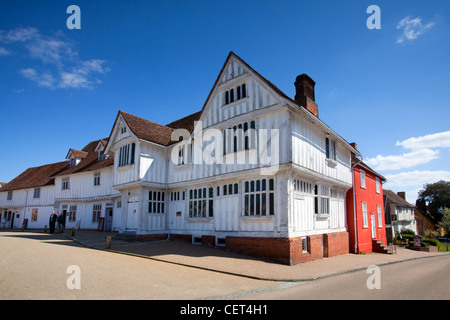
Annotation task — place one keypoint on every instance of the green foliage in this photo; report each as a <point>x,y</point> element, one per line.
<point>434,198</point>
<point>445,222</point>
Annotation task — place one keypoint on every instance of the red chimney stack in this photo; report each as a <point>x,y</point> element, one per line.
<point>304,93</point>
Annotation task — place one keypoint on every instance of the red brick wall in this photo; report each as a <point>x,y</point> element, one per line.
<point>209,241</point>
<point>284,250</point>
<point>184,237</point>
<point>144,237</point>
<point>338,243</point>
<point>273,248</point>
<point>289,250</point>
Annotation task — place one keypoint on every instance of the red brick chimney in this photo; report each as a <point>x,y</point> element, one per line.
<point>304,93</point>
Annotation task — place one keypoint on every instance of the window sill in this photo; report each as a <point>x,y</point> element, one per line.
<point>257,218</point>
<point>125,166</point>
<point>322,216</point>
<point>199,220</point>
<point>184,166</point>
<point>235,102</point>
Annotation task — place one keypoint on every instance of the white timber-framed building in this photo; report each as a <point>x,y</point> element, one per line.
<point>253,171</point>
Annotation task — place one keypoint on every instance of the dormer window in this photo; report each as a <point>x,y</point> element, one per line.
<point>235,94</point>
<point>100,150</point>
<point>73,162</point>
<point>101,156</point>
<point>75,156</point>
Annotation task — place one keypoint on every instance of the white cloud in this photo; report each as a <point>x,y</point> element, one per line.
<point>42,79</point>
<point>436,140</point>
<point>53,51</point>
<point>413,181</point>
<point>4,52</point>
<point>61,66</point>
<point>19,35</point>
<point>423,149</point>
<point>405,160</point>
<point>416,177</point>
<point>412,28</point>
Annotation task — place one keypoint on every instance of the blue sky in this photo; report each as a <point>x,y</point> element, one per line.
<point>386,89</point>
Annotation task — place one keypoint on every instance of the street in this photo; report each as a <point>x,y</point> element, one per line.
<point>422,279</point>
<point>35,266</point>
<point>41,266</point>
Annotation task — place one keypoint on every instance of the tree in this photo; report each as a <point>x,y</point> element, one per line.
<point>445,222</point>
<point>434,198</point>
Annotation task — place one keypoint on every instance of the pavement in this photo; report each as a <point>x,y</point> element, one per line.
<point>220,260</point>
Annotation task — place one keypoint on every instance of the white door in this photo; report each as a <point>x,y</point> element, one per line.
<point>132,219</point>
<point>372,221</point>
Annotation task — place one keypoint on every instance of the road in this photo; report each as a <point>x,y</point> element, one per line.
<point>35,266</point>
<point>41,266</point>
<point>420,279</point>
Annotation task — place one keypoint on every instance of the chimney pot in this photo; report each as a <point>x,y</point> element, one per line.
<point>354,145</point>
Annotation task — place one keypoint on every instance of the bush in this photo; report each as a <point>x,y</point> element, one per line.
<point>407,231</point>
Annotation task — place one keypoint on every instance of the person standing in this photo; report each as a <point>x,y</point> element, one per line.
<point>59,222</point>
<point>52,222</point>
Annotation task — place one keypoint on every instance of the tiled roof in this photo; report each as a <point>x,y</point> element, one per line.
<point>45,175</point>
<point>90,161</point>
<point>395,198</point>
<point>148,130</point>
<point>186,122</point>
<point>78,154</point>
<point>36,177</point>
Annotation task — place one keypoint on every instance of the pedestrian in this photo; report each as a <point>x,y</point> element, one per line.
<point>59,222</point>
<point>52,222</point>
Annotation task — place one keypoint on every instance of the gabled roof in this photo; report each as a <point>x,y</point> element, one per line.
<point>45,175</point>
<point>289,100</point>
<point>76,154</point>
<point>36,177</point>
<point>153,132</point>
<point>396,199</point>
<point>148,130</point>
<point>357,162</point>
<point>90,161</point>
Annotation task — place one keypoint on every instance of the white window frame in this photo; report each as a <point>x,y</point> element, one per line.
<point>34,214</point>
<point>96,178</point>
<point>37,193</point>
<point>239,137</point>
<point>364,214</point>
<point>96,212</point>
<point>72,213</point>
<point>156,201</point>
<point>380,217</point>
<point>377,185</point>
<point>65,184</point>
<point>305,245</point>
<point>322,196</point>
<point>126,155</point>
<point>362,178</point>
<point>259,197</point>
<point>201,202</point>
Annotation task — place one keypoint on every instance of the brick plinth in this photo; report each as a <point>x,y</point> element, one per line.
<point>284,250</point>
<point>146,237</point>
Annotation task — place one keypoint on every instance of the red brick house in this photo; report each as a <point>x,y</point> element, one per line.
<point>365,210</point>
